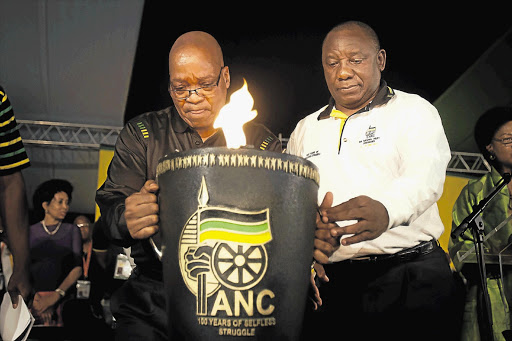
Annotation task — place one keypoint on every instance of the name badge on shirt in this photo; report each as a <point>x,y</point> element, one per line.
<point>83,289</point>
<point>123,268</point>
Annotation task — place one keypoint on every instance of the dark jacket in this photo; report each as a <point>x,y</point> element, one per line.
<point>140,145</point>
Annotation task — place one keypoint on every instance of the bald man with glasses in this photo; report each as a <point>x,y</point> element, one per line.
<point>198,84</point>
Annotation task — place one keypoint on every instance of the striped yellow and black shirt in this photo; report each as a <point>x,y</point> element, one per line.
<point>13,156</point>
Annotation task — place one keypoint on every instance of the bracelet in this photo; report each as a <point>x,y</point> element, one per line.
<point>61,292</point>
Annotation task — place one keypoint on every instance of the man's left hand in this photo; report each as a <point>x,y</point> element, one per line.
<point>371,215</point>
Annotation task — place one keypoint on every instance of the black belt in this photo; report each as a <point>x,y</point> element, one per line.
<point>401,256</point>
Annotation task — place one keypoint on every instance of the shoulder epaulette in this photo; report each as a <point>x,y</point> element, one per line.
<point>143,130</point>
<point>266,142</point>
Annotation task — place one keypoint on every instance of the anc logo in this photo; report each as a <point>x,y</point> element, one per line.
<point>222,246</point>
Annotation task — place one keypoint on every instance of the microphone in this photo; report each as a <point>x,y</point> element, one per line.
<point>460,229</point>
<point>477,209</point>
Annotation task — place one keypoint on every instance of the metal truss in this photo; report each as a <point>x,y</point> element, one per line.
<point>67,135</point>
<point>469,163</point>
<point>284,140</point>
<point>88,136</point>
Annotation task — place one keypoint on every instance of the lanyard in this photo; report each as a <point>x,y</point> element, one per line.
<point>87,260</point>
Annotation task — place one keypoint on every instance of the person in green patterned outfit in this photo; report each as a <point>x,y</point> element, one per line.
<point>493,135</point>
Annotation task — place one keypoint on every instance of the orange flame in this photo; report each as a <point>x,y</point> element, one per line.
<point>234,115</point>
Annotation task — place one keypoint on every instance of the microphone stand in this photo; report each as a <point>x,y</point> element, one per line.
<point>475,222</point>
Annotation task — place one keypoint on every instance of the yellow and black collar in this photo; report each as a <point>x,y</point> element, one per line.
<point>384,94</point>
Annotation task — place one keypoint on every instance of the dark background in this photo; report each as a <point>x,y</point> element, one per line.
<point>278,51</point>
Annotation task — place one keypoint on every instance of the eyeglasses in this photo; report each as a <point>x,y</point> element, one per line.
<point>506,141</point>
<point>204,91</point>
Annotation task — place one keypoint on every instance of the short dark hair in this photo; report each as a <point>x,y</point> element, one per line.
<point>487,125</point>
<point>47,190</point>
<point>351,23</point>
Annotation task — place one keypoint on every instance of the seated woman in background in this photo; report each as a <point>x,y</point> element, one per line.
<point>55,251</point>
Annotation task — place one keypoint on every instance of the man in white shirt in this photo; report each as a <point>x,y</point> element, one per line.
<point>382,156</point>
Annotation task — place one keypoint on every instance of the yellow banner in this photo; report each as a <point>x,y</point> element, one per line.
<point>105,156</point>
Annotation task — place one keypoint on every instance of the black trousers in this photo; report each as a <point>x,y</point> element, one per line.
<point>139,309</point>
<point>417,299</point>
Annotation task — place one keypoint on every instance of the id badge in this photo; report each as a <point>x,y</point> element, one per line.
<point>123,268</point>
<point>83,289</point>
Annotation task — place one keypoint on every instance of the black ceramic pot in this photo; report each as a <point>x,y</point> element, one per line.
<point>237,240</point>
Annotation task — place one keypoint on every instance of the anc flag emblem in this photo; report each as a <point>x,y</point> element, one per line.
<point>219,224</point>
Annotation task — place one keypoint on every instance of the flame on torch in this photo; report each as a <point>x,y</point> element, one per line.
<point>234,115</point>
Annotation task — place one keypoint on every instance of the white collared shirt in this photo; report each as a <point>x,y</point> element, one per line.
<point>396,153</point>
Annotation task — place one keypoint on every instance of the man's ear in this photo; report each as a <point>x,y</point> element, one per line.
<point>381,59</point>
<point>227,76</point>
